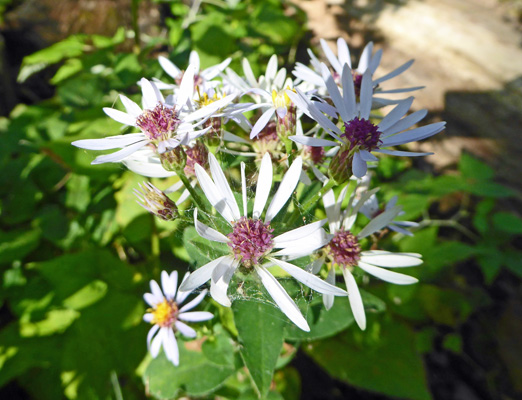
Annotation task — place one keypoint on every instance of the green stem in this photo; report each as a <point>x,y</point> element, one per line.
<point>319,195</point>
<point>192,191</point>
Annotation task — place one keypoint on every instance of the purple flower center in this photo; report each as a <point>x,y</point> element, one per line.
<point>197,154</point>
<point>344,248</point>
<point>268,133</point>
<point>250,240</point>
<point>357,83</point>
<point>158,123</point>
<point>362,134</point>
<point>316,153</point>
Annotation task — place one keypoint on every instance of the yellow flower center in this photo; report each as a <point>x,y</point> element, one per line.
<point>281,99</point>
<point>165,313</point>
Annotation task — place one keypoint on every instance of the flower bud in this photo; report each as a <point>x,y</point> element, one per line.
<point>174,160</point>
<point>156,202</point>
<point>340,169</point>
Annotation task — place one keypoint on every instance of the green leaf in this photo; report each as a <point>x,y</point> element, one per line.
<point>507,222</point>
<point>201,250</point>
<point>325,323</point>
<point>472,168</point>
<point>480,219</point>
<point>16,245</point>
<point>73,46</point>
<point>195,375</point>
<point>260,329</point>
<point>219,348</point>
<point>383,359</point>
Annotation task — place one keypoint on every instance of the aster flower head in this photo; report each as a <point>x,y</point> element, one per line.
<point>168,315</point>
<point>345,251</point>
<point>164,123</point>
<point>368,61</point>
<point>357,137</point>
<point>251,240</point>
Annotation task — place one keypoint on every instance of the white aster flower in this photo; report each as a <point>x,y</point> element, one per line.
<point>367,62</point>
<point>345,251</point>
<point>358,137</point>
<point>202,78</point>
<point>251,242</point>
<point>164,123</point>
<point>168,316</point>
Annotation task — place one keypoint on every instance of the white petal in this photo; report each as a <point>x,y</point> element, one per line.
<point>311,141</point>
<point>243,189</point>
<point>222,184</point>
<point>403,153</point>
<point>150,335</point>
<point>334,62</point>
<point>211,72</point>
<point>169,284</point>
<point>354,296</point>
<point>200,276</point>
<point>120,154</point>
<point>170,345</point>
<point>375,60</point>
<point>391,260</point>
<point>387,275</point>
<point>213,194</point>
<point>185,330</point>
<point>249,75</point>
<point>298,233</point>
<point>328,299</point>
<point>414,134</point>
<point>220,280</point>
<point>131,107</point>
<point>120,116</point>
<point>186,87</point>
<point>394,73</point>
<point>304,246</point>
<point>194,61</point>
<point>349,93</point>
<point>264,184</point>
<point>396,114</point>
<point>151,95</point>
<point>111,142</point>
<point>359,166</point>
<point>306,278</point>
<point>282,299</point>
<point>196,316</point>
<point>169,67</point>
<point>285,190</point>
<point>366,56</point>
<point>261,122</point>
<point>156,343</point>
<point>194,302</point>
<point>405,123</point>
<point>367,156</point>
<point>343,53</point>
<point>271,68</point>
<point>152,300</point>
<point>148,317</point>
<point>334,93</point>
<point>207,232</point>
<point>366,95</point>
<point>379,222</point>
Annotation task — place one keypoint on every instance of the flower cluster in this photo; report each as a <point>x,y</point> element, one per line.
<point>228,135</point>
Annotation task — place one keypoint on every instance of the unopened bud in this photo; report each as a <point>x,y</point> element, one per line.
<point>174,160</point>
<point>340,169</point>
<point>156,202</point>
